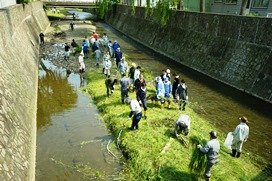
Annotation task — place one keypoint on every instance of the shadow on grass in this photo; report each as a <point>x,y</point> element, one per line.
<point>265,174</point>
<point>174,175</point>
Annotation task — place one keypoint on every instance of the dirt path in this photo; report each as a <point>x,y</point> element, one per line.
<point>53,49</point>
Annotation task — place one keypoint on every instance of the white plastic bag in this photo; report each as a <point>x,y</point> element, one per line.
<point>228,141</point>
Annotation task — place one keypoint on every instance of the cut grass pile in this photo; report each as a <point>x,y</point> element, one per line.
<point>153,152</point>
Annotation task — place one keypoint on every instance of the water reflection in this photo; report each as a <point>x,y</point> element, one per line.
<point>73,147</point>
<point>55,94</point>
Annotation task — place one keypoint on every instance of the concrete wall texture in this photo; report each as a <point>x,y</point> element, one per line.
<point>235,50</point>
<point>19,55</point>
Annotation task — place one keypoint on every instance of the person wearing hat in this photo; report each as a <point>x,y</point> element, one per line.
<point>240,135</point>
<point>182,125</point>
<point>182,94</point>
<point>168,90</point>
<point>160,91</point>
<point>135,111</point>
<point>211,149</point>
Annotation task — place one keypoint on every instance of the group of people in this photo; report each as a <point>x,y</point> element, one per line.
<point>164,89</point>
<point>179,91</point>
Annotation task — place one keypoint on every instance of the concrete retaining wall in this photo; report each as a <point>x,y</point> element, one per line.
<point>235,50</point>
<point>19,51</point>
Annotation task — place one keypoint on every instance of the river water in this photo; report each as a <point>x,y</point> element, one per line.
<point>72,140</point>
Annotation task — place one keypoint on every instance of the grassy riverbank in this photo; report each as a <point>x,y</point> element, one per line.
<point>153,152</point>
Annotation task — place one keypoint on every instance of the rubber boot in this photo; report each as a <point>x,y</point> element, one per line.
<point>233,153</point>
<point>145,114</point>
<point>238,154</point>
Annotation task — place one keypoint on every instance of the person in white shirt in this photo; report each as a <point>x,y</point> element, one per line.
<point>81,63</point>
<point>182,125</point>
<point>240,135</point>
<point>136,111</point>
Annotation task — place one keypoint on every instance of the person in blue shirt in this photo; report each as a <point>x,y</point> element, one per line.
<point>85,49</point>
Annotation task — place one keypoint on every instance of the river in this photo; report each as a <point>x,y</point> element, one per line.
<point>72,141</point>
<point>71,135</point>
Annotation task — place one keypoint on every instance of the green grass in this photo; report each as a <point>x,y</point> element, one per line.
<point>56,16</point>
<point>153,153</point>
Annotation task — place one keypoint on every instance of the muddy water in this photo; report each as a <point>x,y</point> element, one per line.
<point>221,105</point>
<point>71,139</point>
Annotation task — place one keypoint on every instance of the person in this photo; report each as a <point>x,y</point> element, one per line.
<point>211,149</point>
<point>240,135</point>
<point>74,15</point>
<point>136,112</point>
<point>124,84</point>
<point>118,56</point>
<point>138,82</point>
<point>137,72</point>
<point>182,95</point>
<point>67,51</point>
<point>115,45</point>
<point>160,91</point>
<point>94,46</point>
<point>72,25</point>
<point>106,56</point>
<point>182,125</point>
<point>175,85</point>
<point>110,49</point>
<point>131,75</point>
<point>164,75</point>
<point>110,85</point>
<point>87,41</point>
<point>42,38</point>
<point>97,54</point>
<point>74,46</point>
<point>168,90</point>
<point>81,63</point>
<point>95,35</point>
<point>168,74</point>
<point>85,49</point>
<point>107,65</point>
<point>58,11</point>
<point>92,40</point>
<point>141,98</point>
<point>105,39</point>
<point>123,66</point>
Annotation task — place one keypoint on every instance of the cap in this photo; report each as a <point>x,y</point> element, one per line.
<point>133,64</point>
<point>182,81</point>
<point>158,79</point>
<point>168,71</point>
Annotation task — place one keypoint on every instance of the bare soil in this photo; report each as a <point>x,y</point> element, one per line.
<point>55,40</point>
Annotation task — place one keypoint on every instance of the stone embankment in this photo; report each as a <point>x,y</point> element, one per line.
<point>19,52</point>
<point>235,50</point>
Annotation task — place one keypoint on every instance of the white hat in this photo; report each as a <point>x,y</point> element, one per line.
<point>168,71</point>
<point>133,64</point>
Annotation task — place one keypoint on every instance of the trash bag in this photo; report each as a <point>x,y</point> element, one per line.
<point>228,141</point>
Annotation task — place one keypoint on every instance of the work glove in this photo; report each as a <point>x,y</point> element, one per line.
<point>129,118</point>
<point>187,98</point>
<point>199,146</point>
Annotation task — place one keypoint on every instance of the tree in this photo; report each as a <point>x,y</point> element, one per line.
<point>243,7</point>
